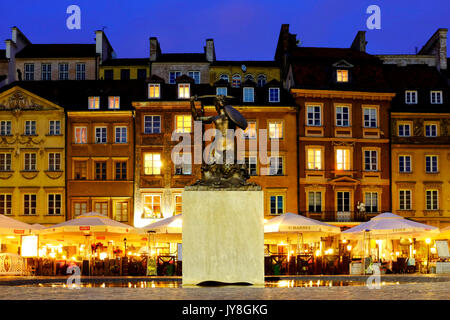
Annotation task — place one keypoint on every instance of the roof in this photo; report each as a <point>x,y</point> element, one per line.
<point>182,57</point>
<point>3,77</point>
<point>126,62</point>
<point>57,51</point>
<point>247,63</point>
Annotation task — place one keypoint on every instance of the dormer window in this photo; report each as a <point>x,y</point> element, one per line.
<point>114,102</point>
<point>225,77</point>
<point>94,103</point>
<point>262,80</point>
<point>249,94</point>
<point>410,97</point>
<point>221,91</point>
<point>341,75</point>
<point>236,81</point>
<point>184,91</point>
<point>436,97</point>
<point>274,94</point>
<point>249,77</point>
<point>154,91</point>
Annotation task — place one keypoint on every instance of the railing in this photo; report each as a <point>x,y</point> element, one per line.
<point>340,216</point>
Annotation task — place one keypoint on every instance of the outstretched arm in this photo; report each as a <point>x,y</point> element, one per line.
<point>196,115</point>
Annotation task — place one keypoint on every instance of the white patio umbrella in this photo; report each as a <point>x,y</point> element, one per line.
<point>10,226</point>
<point>166,230</point>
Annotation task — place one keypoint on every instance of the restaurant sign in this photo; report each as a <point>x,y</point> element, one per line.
<point>85,228</point>
<point>19,231</point>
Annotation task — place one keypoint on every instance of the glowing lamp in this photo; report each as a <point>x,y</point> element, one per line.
<point>427,240</point>
<point>349,247</point>
<point>433,250</point>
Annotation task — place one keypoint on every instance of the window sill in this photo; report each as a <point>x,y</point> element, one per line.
<point>29,135</point>
<point>437,172</point>
<point>54,135</point>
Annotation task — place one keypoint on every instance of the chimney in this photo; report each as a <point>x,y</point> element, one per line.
<point>359,43</point>
<point>210,51</point>
<point>437,46</point>
<point>155,50</point>
<point>102,46</point>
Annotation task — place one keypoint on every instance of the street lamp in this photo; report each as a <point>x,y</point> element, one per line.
<point>428,241</point>
<point>125,246</point>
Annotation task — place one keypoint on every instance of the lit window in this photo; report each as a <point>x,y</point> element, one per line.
<point>276,166</point>
<point>251,165</point>
<point>63,71</point>
<point>314,116</point>
<point>195,75</point>
<point>249,95</point>
<point>404,164</point>
<point>80,71</point>
<point>342,75</point>
<point>221,91</point>
<point>29,204</point>
<point>236,81</point>
<point>5,128</point>
<point>94,103</point>
<point>370,160</point>
<point>152,163</point>
<point>315,201</point>
<point>152,206</point>
<point>183,91</point>
<point>121,211</point>
<point>436,97</point>
<point>178,204</point>
<point>183,123</point>
<point>185,167</point>
<point>114,103</point>
<point>371,201</point>
<point>152,124</point>
<point>79,208</point>
<point>404,130</point>
<point>80,135</point>
<point>405,199</point>
<point>431,130</point>
<point>432,199</point>
<point>431,164</point>
<point>250,131</point>
<point>410,97</point>
<point>29,71</point>
<point>80,170</point>
<point>30,161</point>
<point>102,208</point>
<point>262,80</point>
<point>54,161</point>
<point>274,94</point>
<point>342,159</point>
<point>5,204</point>
<point>30,128</point>
<point>121,134</point>
<point>100,135</point>
<point>154,91</point>
<point>314,159</point>
<point>173,75</point>
<point>276,129</point>
<point>46,71</point>
<point>276,204</point>
<point>54,204</point>
<point>342,116</point>
<point>54,127</point>
<point>5,161</point>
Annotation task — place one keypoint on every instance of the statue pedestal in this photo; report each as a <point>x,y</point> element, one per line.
<point>223,236</point>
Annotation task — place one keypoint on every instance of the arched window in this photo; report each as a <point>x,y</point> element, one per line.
<point>224,77</point>
<point>262,80</point>
<point>236,81</point>
<point>250,77</point>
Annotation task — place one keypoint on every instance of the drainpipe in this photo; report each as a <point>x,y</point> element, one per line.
<point>390,159</point>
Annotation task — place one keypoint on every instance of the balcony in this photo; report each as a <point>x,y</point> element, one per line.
<point>340,216</point>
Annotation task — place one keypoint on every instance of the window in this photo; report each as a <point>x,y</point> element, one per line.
<point>184,168</point>
<point>94,103</point>
<point>121,211</point>
<point>342,116</point>
<point>102,208</point>
<point>431,130</point>
<point>100,170</point>
<point>152,163</point>
<point>183,91</point>
<point>63,71</point>
<point>274,94</point>
<point>315,201</point>
<point>152,124</point>
<point>54,204</point>
<point>79,208</point>
<point>30,162</point>
<point>404,164</point>
<point>371,201</point>
<point>173,75</point>
<point>370,117</point>
<point>183,123</point>
<point>314,159</point>
<point>250,131</point>
<point>5,128</point>
<point>249,77</point>
<point>221,91</point>
<point>152,206</point>
<point>100,135</point>
<point>29,204</point>
<point>30,128</point>
<point>124,74</point>
<point>410,97</point>
<point>314,116</point>
<point>29,71</point>
<point>436,97</point>
<point>54,161</point>
<point>46,71</point>
<point>370,160</point>
<point>121,170</point>
<point>276,129</point>
<point>5,161</point>
<point>121,134</point>
<point>224,77</point>
<point>5,203</point>
<point>195,75</point>
<point>342,75</point>
<point>109,74</point>
<point>343,201</point>
<point>404,130</point>
<point>154,91</point>
<point>178,204</point>
<point>114,102</point>
<point>431,164</point>
<point>276,204</point>
<point>80,170</point>
<point>262,80</point>
<point>236,81</point>
<point>432,200</point>
<point>142,74</point>
<point>405,199</point>
<point>251,163</point>
<point>249,95</point>
<point>342,159</point>
<point>80,135</point>
<point>54,127</point>
<point>276,166</point>
<point>80,71</point>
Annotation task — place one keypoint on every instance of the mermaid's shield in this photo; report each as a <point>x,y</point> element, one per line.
<point>236,117</point>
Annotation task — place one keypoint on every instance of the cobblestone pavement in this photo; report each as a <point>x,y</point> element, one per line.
<point>411,288</point>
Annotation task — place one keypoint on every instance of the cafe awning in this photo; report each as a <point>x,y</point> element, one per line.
<point>168,225</point>
<point>10,226</point>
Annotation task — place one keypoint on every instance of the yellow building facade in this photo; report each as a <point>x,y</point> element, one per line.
<point>32,158</point>
<point>125,69</point>
<point>242,70</point>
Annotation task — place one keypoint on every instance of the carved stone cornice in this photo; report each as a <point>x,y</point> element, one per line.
<point>18,102</point>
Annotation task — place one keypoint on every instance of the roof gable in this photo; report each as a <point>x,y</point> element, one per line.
<point>18,99</point>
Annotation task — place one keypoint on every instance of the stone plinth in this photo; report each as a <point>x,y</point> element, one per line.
<point>223,236</point>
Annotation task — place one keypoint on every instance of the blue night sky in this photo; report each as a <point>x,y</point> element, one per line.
<point>241,29</point>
